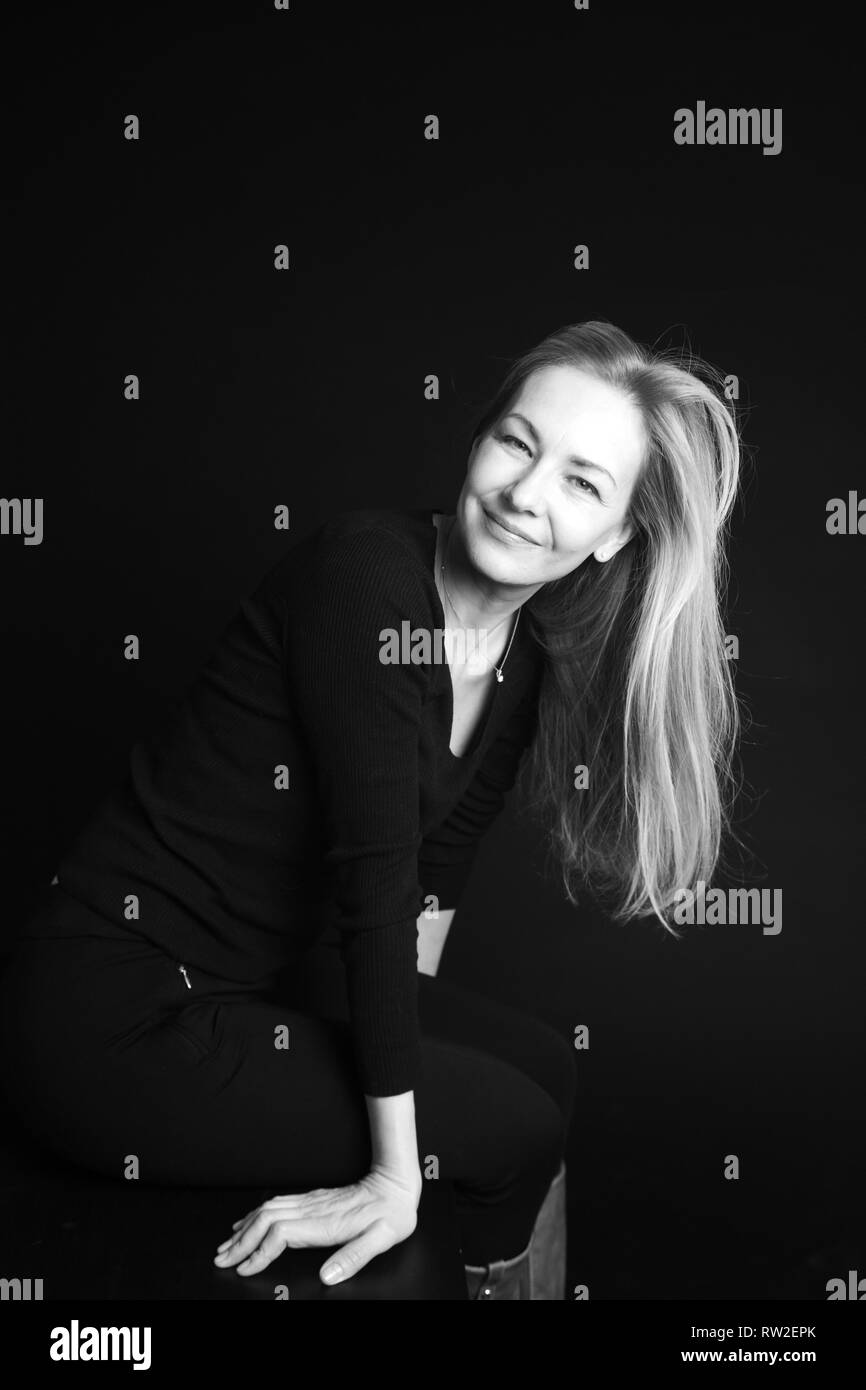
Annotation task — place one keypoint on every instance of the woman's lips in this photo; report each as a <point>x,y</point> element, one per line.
<point>503,533</point>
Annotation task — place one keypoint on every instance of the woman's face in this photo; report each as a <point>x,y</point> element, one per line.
<point>561,468</point>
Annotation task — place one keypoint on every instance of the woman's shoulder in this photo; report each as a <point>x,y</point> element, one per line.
<point>395,532</point>
<point>398,544</point>
<point>363,548</point>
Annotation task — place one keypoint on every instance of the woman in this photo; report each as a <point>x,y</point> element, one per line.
<point>321,793</point>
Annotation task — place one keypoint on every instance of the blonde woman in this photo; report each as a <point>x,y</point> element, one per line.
<point>319,797</point>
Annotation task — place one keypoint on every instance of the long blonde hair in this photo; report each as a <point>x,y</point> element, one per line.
<point>636,685</point>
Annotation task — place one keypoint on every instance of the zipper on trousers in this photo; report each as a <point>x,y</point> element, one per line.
<point>182,969</point>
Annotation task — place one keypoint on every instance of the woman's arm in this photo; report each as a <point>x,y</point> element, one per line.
<point>432,934</point>
<point>393,1139</point>
<point>363,737</point>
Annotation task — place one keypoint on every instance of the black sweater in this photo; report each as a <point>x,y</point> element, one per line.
<point>301,779</point>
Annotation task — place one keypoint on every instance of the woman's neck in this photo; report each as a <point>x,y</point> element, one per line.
<point>480,602</point>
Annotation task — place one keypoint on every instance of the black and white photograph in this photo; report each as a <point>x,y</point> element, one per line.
<point>433,529</point>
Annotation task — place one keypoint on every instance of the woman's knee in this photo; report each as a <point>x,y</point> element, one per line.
<point>547,1058</point>
<point>486,1120</point>
<point>452,1013</point>
<point>556,1068</point>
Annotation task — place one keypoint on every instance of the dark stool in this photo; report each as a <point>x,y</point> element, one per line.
<point>89,1237</point>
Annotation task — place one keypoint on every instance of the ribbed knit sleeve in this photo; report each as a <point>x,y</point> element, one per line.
<point>447,853</point>
<point>361,719</point>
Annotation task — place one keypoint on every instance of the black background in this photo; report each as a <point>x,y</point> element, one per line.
<point>305,388</point>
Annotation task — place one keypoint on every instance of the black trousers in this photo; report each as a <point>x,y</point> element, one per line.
<point>108,1050</point>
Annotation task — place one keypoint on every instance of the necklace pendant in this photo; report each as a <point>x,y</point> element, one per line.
<point>499,676</point>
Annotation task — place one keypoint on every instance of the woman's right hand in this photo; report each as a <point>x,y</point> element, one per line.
<point>364,1219</point>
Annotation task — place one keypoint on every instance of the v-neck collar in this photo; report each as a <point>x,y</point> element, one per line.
<point>491,705</point>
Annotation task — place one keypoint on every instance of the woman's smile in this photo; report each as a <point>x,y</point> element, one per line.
<point>501,530</point>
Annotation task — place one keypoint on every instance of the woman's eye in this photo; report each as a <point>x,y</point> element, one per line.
<point>512,439</point>
<point>586,485</point>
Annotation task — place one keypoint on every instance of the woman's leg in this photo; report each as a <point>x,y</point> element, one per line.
<point>452,1013</point>
<point>496,1069</point>
<point>524,1047</point>
<point>108,1055</point>
<point>115,1062</point>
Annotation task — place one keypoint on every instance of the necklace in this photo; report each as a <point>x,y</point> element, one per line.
<point>497,669</point>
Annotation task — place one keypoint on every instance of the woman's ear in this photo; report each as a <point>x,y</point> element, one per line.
<point>613,544</point>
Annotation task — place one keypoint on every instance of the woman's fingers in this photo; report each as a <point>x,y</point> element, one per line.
<point>255,1250</point>
<point>246,1240</point>
<point>323,1217</point>
<point>355,1254</point>
<point>295,1232</point>
<point>292,1203</point>
<point>296,1223</point>
<point>272,1244</point>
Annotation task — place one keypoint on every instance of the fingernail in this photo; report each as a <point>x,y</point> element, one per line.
<point>331,1274</point>
<point>225,1244</point>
